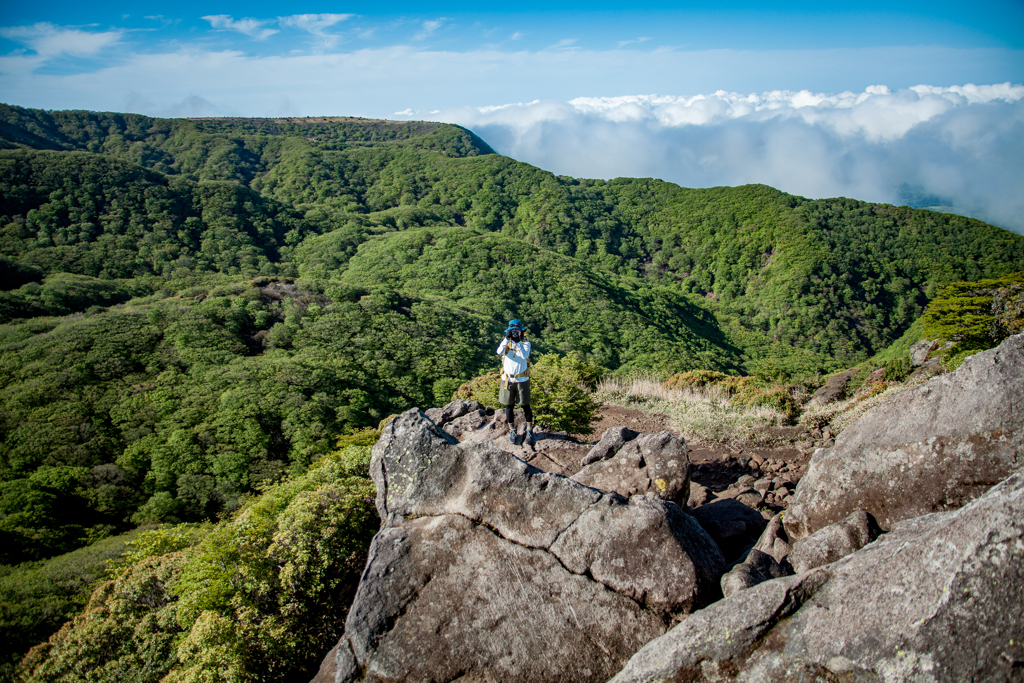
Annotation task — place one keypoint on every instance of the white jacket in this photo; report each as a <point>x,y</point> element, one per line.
<point>515,360</point>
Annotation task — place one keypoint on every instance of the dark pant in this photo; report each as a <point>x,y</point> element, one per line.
<point>513,396</point>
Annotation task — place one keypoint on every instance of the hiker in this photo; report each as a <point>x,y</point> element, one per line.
<point>515,382</point>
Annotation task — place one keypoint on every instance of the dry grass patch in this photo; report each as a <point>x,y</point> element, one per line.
<point>841,414</point>
<point>704,415</point>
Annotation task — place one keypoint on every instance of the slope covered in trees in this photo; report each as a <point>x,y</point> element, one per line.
<point>195,309</point>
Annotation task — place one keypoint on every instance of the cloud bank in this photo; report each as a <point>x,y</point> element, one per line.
<point>961,146</point>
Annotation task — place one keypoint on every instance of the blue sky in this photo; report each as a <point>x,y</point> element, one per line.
<point>864,98</point>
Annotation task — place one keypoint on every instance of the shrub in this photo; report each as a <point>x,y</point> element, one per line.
<point>126,633</point>
<point>261,596</point>
<point>561,390</point>
<point>367,436</point>
<point>275,577</point>
<point>897,370</point>
<point>975,315</point>
<point>36,598</point>
<point>483,388</point>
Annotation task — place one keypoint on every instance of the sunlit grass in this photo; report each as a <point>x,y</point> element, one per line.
<point>707,415</point>
<point>703,415</point>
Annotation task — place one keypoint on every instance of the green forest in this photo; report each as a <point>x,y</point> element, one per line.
<point>193,311</point>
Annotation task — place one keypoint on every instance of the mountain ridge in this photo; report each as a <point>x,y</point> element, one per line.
<point>189,314</point>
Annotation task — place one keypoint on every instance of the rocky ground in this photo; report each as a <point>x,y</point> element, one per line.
<point>761,478</point>
<point>900,556</point>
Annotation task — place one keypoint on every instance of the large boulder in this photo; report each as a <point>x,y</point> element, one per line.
<point>757,567</point>
<point>833,542</point>
<point>934,447</point>
<point>611,441</point>
<point>939,598</point>
<point>654,465</point>
<point>833,390</point>
<point>489,569</point>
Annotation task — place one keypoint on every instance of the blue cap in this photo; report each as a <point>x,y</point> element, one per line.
<point>515,324</point>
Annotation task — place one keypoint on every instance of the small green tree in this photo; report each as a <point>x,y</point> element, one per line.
<point>562,393</point>
<point>975,315</point>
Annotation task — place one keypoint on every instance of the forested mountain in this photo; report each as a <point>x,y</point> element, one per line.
<point>193,309</point>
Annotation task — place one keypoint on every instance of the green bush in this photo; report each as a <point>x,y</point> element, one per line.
<point>975,315</point>
<point>126,633</point>
<point>483,389</point>
<point>259,597</point>
<point>36,598</point>
<point>561,390</point>
<point>898,369</point>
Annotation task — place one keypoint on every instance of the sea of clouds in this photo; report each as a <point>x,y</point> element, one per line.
<point>961,146</point>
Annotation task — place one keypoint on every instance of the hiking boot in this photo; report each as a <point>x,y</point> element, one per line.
<point>528,437</point>
<point>512,436</point>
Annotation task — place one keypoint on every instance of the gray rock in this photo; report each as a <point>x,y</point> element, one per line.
<point>442,416</point>
<point>833,542</point>
<point>834,389</point>
<point>651,464</point>
<point>611,441</point>
<point>774,540</point>
<point>757,567</point>
<point>750,497</point>
<point>746,481</point>
<point>490,569</point>
<point>919,352</point>
<point>464,424</point>
<point>699,495</point>
<point>734,526</point>
<point>934,447</point>
<point>645,567</point>
<point>937,599</point>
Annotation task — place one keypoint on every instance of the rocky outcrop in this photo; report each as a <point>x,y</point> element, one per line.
<point>920,351</point>
<point>934,447</point>
<point>489,569</point>
<point>460,417</point>
<point>757,567</point>
<point>833,542</point>
<point>611,441</point>
<point>654,465</point>
<point>834,389</point>
<point>937,599</point>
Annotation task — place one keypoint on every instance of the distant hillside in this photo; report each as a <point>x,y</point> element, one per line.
<point>195,308</point>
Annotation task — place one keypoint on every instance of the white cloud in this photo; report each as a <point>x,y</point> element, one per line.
<point>429,28</point>
<point>48,40</point>
<point>962,142</point>
<point>317,25</point>
<point>516,36</point>
<point>564,42</point>
<point>254,28</point>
